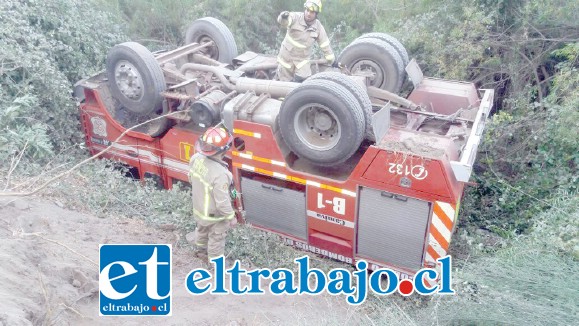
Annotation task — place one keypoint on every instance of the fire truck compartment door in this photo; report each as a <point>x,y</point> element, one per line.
<point>392,228</point>
<point>275,208</point>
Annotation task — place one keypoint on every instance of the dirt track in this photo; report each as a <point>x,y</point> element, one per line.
<point>49,268</point>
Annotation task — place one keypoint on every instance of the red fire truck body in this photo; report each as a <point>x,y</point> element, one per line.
<point>394,203</point>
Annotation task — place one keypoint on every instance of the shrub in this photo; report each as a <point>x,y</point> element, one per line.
<point>46,47</point>
<point>529,156</point>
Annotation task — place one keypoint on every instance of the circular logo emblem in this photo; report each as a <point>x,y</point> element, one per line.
<point>419,172</point>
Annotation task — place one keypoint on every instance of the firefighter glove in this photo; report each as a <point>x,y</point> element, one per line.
<point>285,14</point>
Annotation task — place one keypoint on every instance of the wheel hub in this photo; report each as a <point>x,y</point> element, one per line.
<point>322,121</point>
<point>370,68</point>
<point>128,80</point>
<point>317,127</point>
<point>210,51</point>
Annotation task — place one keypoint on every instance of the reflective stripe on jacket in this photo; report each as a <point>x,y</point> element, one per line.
<point>210,182</point>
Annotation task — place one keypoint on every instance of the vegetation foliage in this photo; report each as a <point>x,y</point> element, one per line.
<point>45,47</point>
<point>526,174</point>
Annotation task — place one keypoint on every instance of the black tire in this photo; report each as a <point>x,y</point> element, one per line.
<point>158,127</point>
<point>378,57</point>
<point>135,78</point>
<point>392,41</point>
<point>211,29</point>
<point>322,122</point>
<point>357,90</point>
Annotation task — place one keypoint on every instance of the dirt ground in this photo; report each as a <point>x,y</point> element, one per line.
<point>49,275</point>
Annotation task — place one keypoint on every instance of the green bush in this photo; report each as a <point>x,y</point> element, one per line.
<point>46,46</point>
<point>529,155</point>
<point>450,41</point>
<point>20,132</point>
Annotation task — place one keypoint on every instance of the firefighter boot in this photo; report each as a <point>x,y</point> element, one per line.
<point>200,252</point>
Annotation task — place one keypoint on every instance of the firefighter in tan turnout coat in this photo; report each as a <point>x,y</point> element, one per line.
<point>211,182</point>
<point>303,29</point>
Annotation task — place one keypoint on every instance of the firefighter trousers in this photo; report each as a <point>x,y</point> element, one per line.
<point>293,74</point>
<point>210,237</point>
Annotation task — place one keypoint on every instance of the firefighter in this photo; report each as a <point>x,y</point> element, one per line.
<point>303,29</point>
<point>211,184</point>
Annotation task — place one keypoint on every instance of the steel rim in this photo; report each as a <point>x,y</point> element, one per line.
<point>317,127</point>
<point>371,67</point>
<point>129,81</point>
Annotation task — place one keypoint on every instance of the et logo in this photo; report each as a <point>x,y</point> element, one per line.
<point>135,280</point>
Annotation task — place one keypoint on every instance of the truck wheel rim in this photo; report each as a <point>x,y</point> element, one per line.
<point>371,68</point>
<point>317,127</point>
<point>129,80</point>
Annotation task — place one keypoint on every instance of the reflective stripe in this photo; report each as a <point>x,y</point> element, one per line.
<point>294,42</point>
<point>331,57</point>
<point>247,133</point>
<point>201,244</point>
<point>212,218</point>
<point>325,44</point>
<point>283,63</point>
<point>280,175</point>
<point>294,179</point>
<point>205,214</point>
<point>313,183</point>
<point>441,226</point>
<point>298,180</point>
<point>207,187</point>
<point>247,156</point>
<point>277,163</point>
<point>348,193</point>
<point>257,158</point>
<point>333,189</point>
<point>301,64</point>
<point>247,167</point>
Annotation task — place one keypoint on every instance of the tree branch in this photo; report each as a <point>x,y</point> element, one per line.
<point>63,174</point>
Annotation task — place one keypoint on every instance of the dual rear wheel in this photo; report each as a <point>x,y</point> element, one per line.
<point>322,122</point>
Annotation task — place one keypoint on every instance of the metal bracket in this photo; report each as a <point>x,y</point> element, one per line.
<point>262,97</point>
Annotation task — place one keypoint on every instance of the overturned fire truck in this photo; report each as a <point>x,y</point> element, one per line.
<point>339,165</point>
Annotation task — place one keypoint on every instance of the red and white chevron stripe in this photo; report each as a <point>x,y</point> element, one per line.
<point>441,227</point>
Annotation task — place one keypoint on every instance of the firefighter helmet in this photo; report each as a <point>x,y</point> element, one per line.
<point>313,5</point>
<point>214,140</point>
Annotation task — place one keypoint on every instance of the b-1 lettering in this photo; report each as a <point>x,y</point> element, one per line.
<point>338,204</point>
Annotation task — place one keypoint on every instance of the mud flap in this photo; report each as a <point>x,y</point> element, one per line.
<point>381,122</point>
